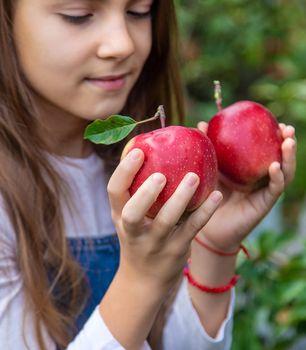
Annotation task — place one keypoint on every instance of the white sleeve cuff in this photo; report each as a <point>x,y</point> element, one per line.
<point>95,335</point>
<point>184,329</point>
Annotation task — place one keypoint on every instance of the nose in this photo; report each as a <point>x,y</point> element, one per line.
<point>117,41</point>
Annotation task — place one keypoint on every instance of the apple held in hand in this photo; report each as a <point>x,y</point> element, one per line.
<point>247,139</point>
<point>174,151</point>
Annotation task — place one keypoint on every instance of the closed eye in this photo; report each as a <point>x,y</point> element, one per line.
<point>140,15</point>
<point>76,19</point>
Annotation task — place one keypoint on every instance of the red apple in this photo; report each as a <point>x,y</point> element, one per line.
<point>247,139</point>
<point>174,151</point>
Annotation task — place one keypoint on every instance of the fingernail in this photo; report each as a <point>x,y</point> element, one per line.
<point>216,196</point>
<point>135,154</point>
<point>191,179</point>
<point>292,143</point>
<point>158,178</point>
<point>291,128</point>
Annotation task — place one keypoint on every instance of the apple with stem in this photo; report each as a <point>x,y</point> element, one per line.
<point>175,151</point>
<point>247,139</point>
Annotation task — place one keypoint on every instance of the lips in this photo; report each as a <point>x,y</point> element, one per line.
<point>109,82</point>
<point>108,77</point>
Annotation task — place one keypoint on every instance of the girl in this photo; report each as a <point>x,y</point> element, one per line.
<point>62,284</point>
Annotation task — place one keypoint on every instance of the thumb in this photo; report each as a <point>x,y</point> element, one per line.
<point>202,126</point>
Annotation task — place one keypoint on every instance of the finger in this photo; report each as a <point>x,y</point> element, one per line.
<point>137,207</point>
<point>202,126</point>
<point>173,209</point>
<point>289,159</point>
<point>276,184</point>
<point>287,131</point>
<point>122,178</point>
<point>281,175</point>
<point>199,218</point>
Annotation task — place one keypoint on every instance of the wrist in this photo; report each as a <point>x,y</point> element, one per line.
<point>129,308</point>
<point>211,277</point>
<point>208,246</point>
<point>210,289</point>
<point>149,285</point>
<point>142,286</point>
<point>210,282</point>
<point>224,248</point>
<point>210,268</point>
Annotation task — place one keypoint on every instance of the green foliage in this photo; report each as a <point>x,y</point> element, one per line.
<point>271,300</point>
<point>257,50</point>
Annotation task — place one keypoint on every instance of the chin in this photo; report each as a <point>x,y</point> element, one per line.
<point>98,114</point>
<point>107,108</point>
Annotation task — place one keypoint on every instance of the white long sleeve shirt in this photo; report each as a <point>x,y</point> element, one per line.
<point>91,218</point>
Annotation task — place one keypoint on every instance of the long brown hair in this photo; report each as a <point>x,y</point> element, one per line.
<point>31,188</point>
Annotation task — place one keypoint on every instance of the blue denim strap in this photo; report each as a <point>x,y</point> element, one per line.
<point>99,259</point>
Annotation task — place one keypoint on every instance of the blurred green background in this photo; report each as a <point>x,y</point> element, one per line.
<point>257,49</point>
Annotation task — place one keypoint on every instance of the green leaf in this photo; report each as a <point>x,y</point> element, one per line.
<point>292,291</point>
<point>109,131</point>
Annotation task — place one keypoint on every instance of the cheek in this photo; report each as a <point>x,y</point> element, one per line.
<point>144,42</point>
<point>43,50</point>
<point>44,54</point>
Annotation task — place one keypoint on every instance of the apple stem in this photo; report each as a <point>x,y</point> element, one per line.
<point>218,95</point>
<point>160,113</point>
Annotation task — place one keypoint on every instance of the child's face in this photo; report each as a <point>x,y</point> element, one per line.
<point>82,57</point>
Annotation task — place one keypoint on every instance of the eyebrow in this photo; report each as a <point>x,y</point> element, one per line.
<point>61,2</point>
<point>64,2</point>
<point>58,3</point>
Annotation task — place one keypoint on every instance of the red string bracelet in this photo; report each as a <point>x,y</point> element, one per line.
<point>215,290</point>
<point>221,253</point>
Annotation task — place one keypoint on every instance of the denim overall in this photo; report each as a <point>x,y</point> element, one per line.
<point>99,258</point>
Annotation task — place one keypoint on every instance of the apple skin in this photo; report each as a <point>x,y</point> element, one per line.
<point>175,151</point>
<point>247,139</point>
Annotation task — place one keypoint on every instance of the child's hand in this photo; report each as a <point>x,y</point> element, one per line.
<point>241,212</point>
<point>154,251</point>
